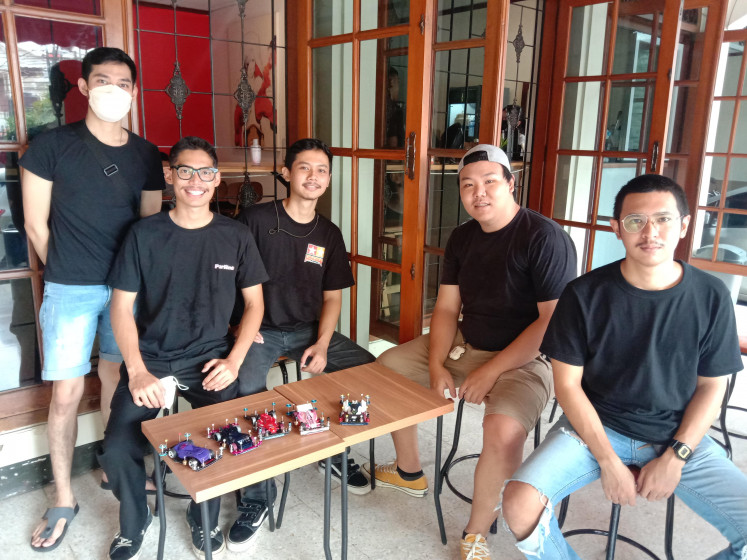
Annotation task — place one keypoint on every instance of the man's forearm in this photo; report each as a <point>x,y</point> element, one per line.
<point>126,336</point>
<point>328,318</point>
<point>701,410</point>
<point>39,237</point>
<point>443,330</point>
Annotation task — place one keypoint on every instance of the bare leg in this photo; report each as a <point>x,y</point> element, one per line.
<point>62,431</point>
<point>406,447</point>
<point>522,508</point>
<point>502,450</point>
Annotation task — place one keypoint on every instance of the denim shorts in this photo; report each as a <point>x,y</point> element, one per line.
<point>70,317</point>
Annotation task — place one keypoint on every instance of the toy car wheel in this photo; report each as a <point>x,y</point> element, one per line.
<point>171,453</point>
<point>193,464</point>
<point>217,436</point>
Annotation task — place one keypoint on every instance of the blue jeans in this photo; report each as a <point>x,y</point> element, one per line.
<point>342,353</point>
<point>711,485</point>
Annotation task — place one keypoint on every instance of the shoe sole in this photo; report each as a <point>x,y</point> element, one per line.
<point>201,553</point>
<point>409,491</point>
<point>358,490</point>
<point>245,545</point>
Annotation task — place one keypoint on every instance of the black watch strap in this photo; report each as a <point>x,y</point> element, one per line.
<point>681,450</point>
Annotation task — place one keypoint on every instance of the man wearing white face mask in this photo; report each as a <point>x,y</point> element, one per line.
<point>84,184</point>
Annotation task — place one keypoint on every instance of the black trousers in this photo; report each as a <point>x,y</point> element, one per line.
<point>122,457</point>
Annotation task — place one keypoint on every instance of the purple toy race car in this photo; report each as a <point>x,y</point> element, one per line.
<point>230,436</point>
<point>196,458</point>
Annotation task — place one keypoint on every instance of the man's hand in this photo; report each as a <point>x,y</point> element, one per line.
<point>223,372</point>
<point>441,380</point>
<point>318,358</point>
<point>618,483</point>
<point>477,385</point>
<point>660,477</point>
<point>146,390</point>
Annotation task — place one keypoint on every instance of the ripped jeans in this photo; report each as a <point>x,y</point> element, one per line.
<point>711,485</point>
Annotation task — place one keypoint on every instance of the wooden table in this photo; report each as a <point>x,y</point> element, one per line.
<point>271,458</point>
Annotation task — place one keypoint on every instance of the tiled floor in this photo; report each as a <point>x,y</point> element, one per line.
<point>383,524</point>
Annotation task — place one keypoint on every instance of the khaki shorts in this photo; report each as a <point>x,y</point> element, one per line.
<point>521,393</point>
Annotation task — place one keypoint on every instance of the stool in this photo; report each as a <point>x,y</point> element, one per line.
<point>442,472</point>
<point>282,363</point>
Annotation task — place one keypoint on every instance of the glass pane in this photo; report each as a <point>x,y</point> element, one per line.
<point>579,129</point>
<point>690,45</point>
<point>92,7</point>
<point>383,94</point>
<point>731,58</point>
<point>580,238</point>
<point>445,210</point>
<point>384,13</point>
<point>675,167</point>
<point>736,188</point>
<point>587,51</point>
<point>224,22</point>
<point>573,188</point>
<point>333,94</point>
<point>14,249</point>
<point>431,280</point>
<point>378,305</point>
<point>629,118</point>
<point>50,53</point>
<point>332,17</point>
<point>718,136</point>
<point>19,351</point>
<point>682,112</point>
<point>704,234</point>
<point>714,169</point>
<point>607,248</point>
<point>336,203</point>
<point>380,199</point>
<point>457,94</point>
<point>461,19</point>
<point>740,134</point>
<point>732,244</point>
<point>614,176</point>
<point>7,109</point>
<point>634,49</point>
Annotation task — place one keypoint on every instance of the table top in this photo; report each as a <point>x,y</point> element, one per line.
<point>396,402</point>
<point>271,458</point>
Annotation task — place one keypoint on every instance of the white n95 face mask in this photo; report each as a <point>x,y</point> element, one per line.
<point>110,103</point>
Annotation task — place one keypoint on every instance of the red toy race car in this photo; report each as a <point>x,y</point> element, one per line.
<point>266,424</point>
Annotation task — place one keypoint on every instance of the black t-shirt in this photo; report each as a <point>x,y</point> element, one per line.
<point>300,268</point>
<point>90,213</point>
<point>504,274</point>
<point>642,351</point>
<point>186,280</point>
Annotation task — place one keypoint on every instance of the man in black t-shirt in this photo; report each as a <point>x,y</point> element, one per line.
<point>84,184</point>
<point>640,351</point>
<point>502,272</point>
<point>184,267</point>
<point>308,266</point>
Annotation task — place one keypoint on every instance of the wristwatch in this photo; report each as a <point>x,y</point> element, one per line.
<point>681,450</point>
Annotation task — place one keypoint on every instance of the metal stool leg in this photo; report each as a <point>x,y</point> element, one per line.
<point>159,503</point>
<point>437,479</point>
<point>283,370</point>
<point>669,529</point>
<point>298,371</point>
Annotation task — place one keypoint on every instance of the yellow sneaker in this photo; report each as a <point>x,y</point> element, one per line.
<point>475,547</point>
<point>388,477</point>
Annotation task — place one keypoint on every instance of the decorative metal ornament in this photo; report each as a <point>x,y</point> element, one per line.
<point>519,44</point>
<point>59,86</point>
<point>247,194</point>
<point>244,95</point>
<point>242,5</point>
<point>177,90</point>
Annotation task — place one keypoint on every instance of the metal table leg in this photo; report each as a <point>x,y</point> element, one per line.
<point>327,499</point>
<point>344,504</point>
<point>270,505</point>
<point>159,500</point>
<point>371,447</point>
<point>286,482</point>
<point>206,529</point>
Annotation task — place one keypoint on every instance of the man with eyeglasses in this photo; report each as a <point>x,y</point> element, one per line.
<point>640,351</point>
<point>184,267</point>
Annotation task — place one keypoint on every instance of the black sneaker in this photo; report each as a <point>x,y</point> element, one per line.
<point>218,545</point>
<point>357,482</point>
<point>129,549</point>
<point>252,513</point>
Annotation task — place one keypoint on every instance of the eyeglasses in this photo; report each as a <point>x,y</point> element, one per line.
<point>185,172</point>
<point>634,223</point>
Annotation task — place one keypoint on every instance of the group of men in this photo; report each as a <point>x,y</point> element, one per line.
<point>636,352</point>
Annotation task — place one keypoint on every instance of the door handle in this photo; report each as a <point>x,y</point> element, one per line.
<point>654,156</point>
<point>410,156</point>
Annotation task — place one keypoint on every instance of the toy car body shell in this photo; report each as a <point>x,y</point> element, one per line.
<point>234,440</point>
<point>305,415</point>
<point>354,412</point>
<point>193,456</point>
<point>267,425</point>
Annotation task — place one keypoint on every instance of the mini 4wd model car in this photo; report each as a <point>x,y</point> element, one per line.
<point>266,424</point>
<point>305,415</point>
<point>193,456</point>
<point>354,413</point>
<point>230,436</point>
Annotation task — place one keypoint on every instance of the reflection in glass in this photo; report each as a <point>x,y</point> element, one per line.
<point>633,49</point>
<point>384,13</point>
<point>50,53</point>
<point>579,129</point>
<point>588,31</point>
<point>224,22</point>
<point>580,238</point>
<point>727,81</point>
<point>461,19</point>
<point>628,120</point>
<point>736,188</point>
<point>92,7</point>
<point>14,248</point>
<point>689,45</point>
<point>573,188</point>
<point>333,94</point>
<point>336,203</point>
<point>607,248</point>
<point>714,169</point>
<point>383,92</point>
<point>431,281</point>
<point>732,244</point>
<point>378,305</point>
<point>380,199</point>
<point>675,167</point>
<point>614,176</point>
<point>718,136</point>
<point>740,134</point>
<point>682,112</point>
<point>445,210</point>
<point>332,17</point>
<point>19,351</point>
<point>457,94</point>
<point>7,111</point>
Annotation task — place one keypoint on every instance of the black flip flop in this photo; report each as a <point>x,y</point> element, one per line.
<point>53,515</point>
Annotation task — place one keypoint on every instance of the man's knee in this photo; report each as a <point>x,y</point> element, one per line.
<point>522,506</point>
<point>503,434</point>
<point>66,394</point>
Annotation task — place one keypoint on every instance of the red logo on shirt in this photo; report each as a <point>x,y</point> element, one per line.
<point>314,254</point>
